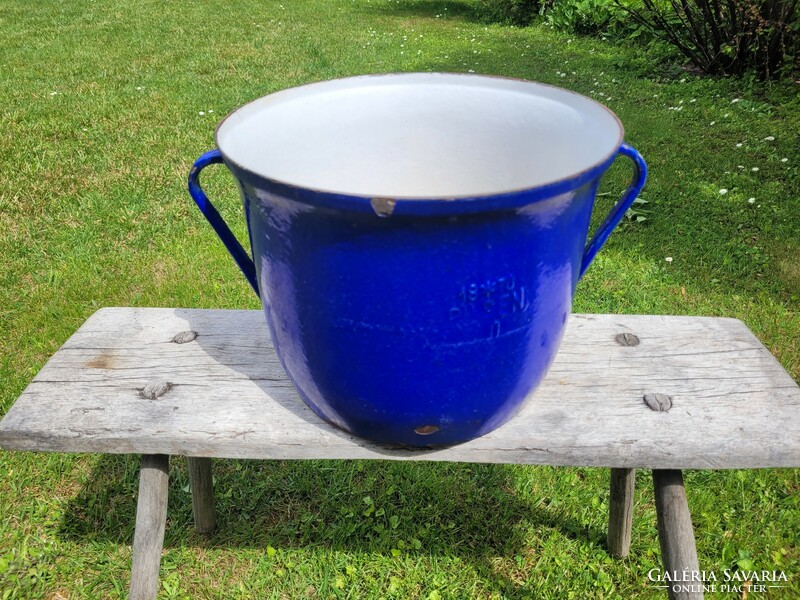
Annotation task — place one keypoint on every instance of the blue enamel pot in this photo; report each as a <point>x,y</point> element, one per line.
<point>416,240</point>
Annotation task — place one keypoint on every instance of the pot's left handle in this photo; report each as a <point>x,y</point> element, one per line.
<point>221,228</point>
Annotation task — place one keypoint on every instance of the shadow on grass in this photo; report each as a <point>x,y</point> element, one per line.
<point>430,9</point>
<point>453,509</point>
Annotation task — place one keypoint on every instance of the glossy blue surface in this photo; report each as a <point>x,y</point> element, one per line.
<point>417,322</point>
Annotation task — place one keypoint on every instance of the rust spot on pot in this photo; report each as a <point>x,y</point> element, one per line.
<point>383,207</point>
<point>426,429</point>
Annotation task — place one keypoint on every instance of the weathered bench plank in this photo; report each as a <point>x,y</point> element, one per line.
<point>124,384</point>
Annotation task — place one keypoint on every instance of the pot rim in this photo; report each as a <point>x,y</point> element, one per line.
<point>387,204</point>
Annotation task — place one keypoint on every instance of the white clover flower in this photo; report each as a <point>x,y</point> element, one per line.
<point>784,160</point>
<point>769,138</point>
<point>668,259</point>
<point>723,191</point>
<point>713,123</point>
<point>739,145</point>
<point>735,100</point>
<point>754,169</point>
<point>751,200</point>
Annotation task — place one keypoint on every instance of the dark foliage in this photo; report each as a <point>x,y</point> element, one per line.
<point>512,12</point>
<point>727,37</point>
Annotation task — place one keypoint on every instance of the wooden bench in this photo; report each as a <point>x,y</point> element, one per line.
<point>626,392</point>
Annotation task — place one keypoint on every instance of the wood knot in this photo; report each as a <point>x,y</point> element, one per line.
<point>627,339</point>
<point>658,402</point>
<point>184,337</point>
<point>155,389</point>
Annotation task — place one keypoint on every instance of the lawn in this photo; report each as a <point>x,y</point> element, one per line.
<point>104,108</point>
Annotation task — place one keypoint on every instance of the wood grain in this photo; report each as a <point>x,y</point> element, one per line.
<point>225,394</point>
<point>676,535</point>
<point>151,519</point>
<point>620,511</point>
<point>205,514</point>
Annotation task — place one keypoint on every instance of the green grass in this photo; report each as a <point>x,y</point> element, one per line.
<point>99,125</point>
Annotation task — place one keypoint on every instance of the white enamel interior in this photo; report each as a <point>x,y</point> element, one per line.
<point>420,135</point>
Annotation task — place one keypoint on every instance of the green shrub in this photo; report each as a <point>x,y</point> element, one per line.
<point>569,16</point>
<point>728,37</point>
<point>512,12</point>
<point>586,16</point>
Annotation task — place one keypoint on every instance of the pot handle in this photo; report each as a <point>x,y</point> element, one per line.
<point>622,205</point>
<point>221,228</point>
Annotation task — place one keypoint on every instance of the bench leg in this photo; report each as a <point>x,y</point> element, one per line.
<point>205,516</point>
<point>620,511</point>
<point>676,535</point>
<point>151,519</point>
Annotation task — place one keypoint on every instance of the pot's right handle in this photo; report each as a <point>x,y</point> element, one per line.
<point>221,228</point>
<point>623,204</point>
